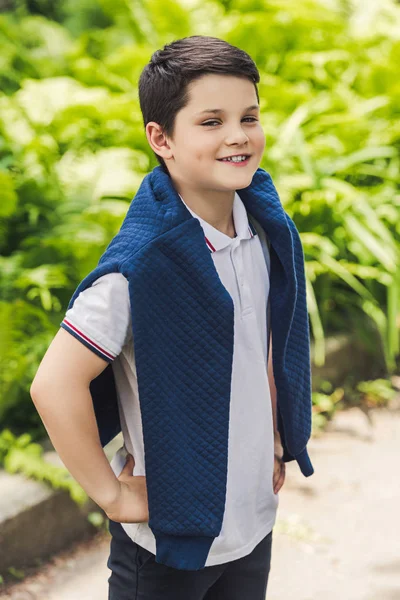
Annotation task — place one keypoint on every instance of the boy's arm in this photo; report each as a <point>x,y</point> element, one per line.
<point>278,449</point>
<point>61,394</point>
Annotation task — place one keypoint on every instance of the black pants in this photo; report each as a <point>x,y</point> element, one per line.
<point>136,576</point>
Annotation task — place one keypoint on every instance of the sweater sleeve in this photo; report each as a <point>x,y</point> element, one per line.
<point>100,317</point>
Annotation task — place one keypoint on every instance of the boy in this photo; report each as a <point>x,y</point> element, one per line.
<point>167,340</point>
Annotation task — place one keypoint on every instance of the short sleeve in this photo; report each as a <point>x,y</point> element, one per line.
<point>100,317</point>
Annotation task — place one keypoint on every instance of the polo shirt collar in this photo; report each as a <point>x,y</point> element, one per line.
<point>215,239</point>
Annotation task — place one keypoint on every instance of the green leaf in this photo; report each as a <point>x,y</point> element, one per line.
<point>9,198</point>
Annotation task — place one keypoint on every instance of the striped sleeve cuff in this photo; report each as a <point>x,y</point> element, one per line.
<point>87,341</point>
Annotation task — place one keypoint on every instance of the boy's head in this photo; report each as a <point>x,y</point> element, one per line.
<point>179,83</point>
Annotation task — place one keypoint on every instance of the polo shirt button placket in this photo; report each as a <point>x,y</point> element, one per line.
<point>245,298</point>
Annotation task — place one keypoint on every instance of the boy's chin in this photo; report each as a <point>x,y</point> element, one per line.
<point>240,180</point>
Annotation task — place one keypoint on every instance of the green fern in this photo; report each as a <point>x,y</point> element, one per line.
<point>21,455</point>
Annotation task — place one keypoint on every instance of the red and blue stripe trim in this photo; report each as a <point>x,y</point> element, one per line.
<point>252,230</point>
<point>209,245</point>
<point>87,341</point>
<point>211,248</point>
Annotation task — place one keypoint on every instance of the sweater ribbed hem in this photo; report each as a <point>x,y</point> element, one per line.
<point>304,462</point>
<point>182,552</point>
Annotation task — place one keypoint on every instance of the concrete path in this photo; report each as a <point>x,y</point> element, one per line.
<point>337,534</point>
<point>339,530</point>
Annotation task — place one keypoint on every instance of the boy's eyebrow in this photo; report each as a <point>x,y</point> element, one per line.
<point>220,110</point>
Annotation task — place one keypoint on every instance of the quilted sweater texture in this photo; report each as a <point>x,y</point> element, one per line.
<point>182,326</point>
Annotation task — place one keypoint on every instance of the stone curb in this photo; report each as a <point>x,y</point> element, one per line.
<point>37,521</point>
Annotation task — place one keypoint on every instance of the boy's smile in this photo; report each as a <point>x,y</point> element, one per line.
<point>219,122</point>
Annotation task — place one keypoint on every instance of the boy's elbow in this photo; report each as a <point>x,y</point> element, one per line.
<point>32,392</point>
<point>35,391</point>
<point>43,386</point>
<point>41,382</point>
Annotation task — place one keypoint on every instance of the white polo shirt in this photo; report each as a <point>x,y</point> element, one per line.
<point>101,315</point>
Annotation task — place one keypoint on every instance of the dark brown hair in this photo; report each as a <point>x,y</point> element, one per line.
<point>164,80</point>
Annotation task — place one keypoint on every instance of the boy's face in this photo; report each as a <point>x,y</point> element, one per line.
<point>201,138</point>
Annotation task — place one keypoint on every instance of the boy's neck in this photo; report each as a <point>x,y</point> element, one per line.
<point>216,208</point>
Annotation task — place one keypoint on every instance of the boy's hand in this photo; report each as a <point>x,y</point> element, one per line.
<point>279,473</point>
<point>279,465</point>
<point>131,504</point>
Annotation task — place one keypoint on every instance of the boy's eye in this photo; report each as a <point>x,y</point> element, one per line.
<point>252,119</point>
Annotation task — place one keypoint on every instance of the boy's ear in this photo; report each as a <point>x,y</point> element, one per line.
<point>157,140</point>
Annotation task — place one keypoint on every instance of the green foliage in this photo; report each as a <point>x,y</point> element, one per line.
<point>325,406</point>
<point>16,573</point>
<point>21,455</point>
<point>97,520</point>
<point>376,393</point>
<point>364,394</point>
<point>73,152</point>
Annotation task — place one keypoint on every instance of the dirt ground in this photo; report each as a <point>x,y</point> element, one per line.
<point>336,536</point>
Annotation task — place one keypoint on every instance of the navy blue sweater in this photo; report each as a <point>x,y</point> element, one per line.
<point>182,327</point>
